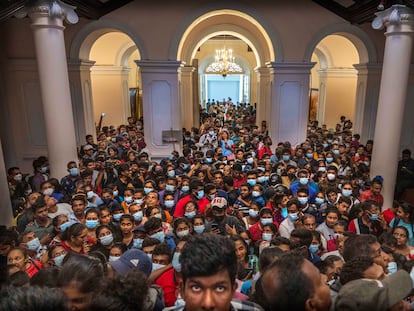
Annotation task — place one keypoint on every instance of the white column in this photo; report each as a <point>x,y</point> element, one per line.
<point>399,24</point>
<point>161,105</point>
<point>263,95</point>
<point>47,24</point>
<point>290,101</point>
<point>187,96</point>
<point>6,214</point>
<point>366,102</point>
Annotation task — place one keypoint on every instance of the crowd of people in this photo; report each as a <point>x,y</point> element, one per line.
<point>230,222</point>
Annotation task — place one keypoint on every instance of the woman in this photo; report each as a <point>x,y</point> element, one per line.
<point>226,144</point>
<point>19,257</point>
<point>402,247</point>
<point>190,210</point>
<point>92,222</point>
<point>405,218</point>
<point>117,249</point>
<point>60,224</point>
<point>56,254</point>
<point>75,239</point>
<point>126,224</point>
<point>105,240</point>
<point>253,216</point>
<point>243,271</point>
<point>198,224</point>
<point>182,227</point>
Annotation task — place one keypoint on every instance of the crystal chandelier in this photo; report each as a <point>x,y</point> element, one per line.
<point>224,62</point>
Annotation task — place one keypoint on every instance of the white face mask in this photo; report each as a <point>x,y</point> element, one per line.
<point>48,191</point>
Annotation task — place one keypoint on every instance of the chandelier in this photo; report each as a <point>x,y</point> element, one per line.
<point>224,62</point>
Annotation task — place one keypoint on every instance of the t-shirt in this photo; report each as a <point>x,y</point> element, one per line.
<point>409,227</point>
<point>166,282</point>
<point>62,209</point>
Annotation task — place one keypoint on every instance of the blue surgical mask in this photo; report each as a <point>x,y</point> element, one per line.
<point>267,237</point>
<point>284,212</point>
<point>251,182</point>
<point>170,157</point>
<point>329,160</point>
<point>190,214</point>
<point>373,217</point>
<point>335,151</point>
<point>128,200</point>
<point>65,225</point>
<point>156,266</point>
<point>261,179</point>
<point>171,173</point>
<point>293,216</point>
<point>256,194</point>
<point>211,133</point>
<point>33,244</point>
<point>250,160</point>
<point>138,216</point>
<point>253,213</point>
<point>137,243</point>
<point>107,239</point>
<point>74,171</point>
<point>309,155</point>
<point>44,169</point>
<point>169,203</point>
<point>319,201</point>
<point>185,166</point>
<point>285,158</point>
<point>117,217</point>
<point>160,236</point>
<point>303,200</point>
<point>266,221</point>
<point>115,193</point>
<point>59,260</point>
<point>199,229</point>
<point>313,248</point>
<point>303,180</point>
<point>113,258</point>
<point>200,194</point>
<point>147,190</point>
<point>139,201</point>
<point>183,233</point>
<point>170,188</point>
<point>278,171</point>
<point>176,262</point>
<point>346,192</point>
<point>321,169</point>
<point>325,146</point>
<point>91,224</point>
<point>209,160</point>
<point>185,188</point>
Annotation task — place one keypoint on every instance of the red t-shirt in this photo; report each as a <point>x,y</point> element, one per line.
<point>179,208</point>
<point>369,195</point>
<point>34,268</point>
<point>166,282</point>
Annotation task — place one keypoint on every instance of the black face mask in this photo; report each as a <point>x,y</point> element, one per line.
<point>219,219</point>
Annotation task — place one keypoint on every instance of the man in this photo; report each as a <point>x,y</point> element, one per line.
<point>293,283</point>
<point>196,195</point>
<point>223,224</point>
<point>42,225</point>
<point>69,181</point>
<point>304,181</point>
<point>374,193</point>
<point>209,267</point>
<point>405,173</point>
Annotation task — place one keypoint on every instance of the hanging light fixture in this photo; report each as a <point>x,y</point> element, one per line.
<point>224,62</point>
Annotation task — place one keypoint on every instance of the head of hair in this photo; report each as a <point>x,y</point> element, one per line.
<point>358,245</point>
<point>354,268</point>
<point>73,231</point>
<point>45,277</point>
<point>268,256</point>
<point>148,241</point>
<point>304,236</point>
<point>162,249</point>
<point>152,224</point>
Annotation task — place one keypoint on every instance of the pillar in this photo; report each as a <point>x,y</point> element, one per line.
<point>366,101</point>
<point>289,101</point>
<point>263,95</point>
<point>47,23</point>
<point>399,24</point>
<point>161,105</point>
<point>6,214</point>
<point>187,96</point>
<point>196,95</point>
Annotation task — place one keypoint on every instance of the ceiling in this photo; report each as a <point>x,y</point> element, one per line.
<point>354,11</point>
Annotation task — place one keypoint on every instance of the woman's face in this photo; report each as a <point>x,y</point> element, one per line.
<point>189,207</point>
<point>241,250</point>
<point>16,257</point>
<point>401,236</point>
<point>198,222</point>
<point>104,232</point>
<point>76,298</point>
<point>400,213</point>
<point>80,239</point>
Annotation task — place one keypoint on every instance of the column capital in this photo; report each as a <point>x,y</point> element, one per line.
<point>290,67</point>
<point>396,19</point>
<point>187,69</point>
<point>159,66</point>
<point>49,13</point>
<point>262,70</point>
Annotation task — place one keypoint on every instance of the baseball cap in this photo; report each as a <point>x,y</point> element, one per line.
<point>87,147</point>
<point>367,295</point>
<point>119,138</point>
<point>219,202</point>
<point>139,228</point>
<point>132,259</point>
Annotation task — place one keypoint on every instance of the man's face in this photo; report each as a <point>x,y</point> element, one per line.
<point>331,219</point>
<point>152,199</point>
<point>212,292</point>
<point>41,214</point>
<point>321,297</point>
<point>78,207</point>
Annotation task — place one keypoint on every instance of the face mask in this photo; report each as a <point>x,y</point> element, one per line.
<point>137,243</point>
<point>338,235</point>
<point>225,162</point>
<point>200,194</point>
<point>170,188</point>
<point>176,262</point>
<point>48,191</point>
<point>366,163</point>
<point>64,226</point>
<point>33,244</point>
<point>185,188</point>
<point>285,158</point>
<point>313,248</point>
<point>267,237</point>
<point>211,197</point>
<point>149,256</point>
<point>18,177</point>
<point>170,157</point>
<point>325,146</point>
<point>309,155</point>
<point>261,179</point>
<point>256,194</point>
<point>74,171</point>
<point>335,152</point>
<point>128,200</point>
<point>266,221</point>
<point>211,133</point>
<point>28,191</point>
<point>158,215</point>
<point>150,167</point>
<point>209,160</point>
<point>107,201</point>
<point>160,236</point>
<point>319,201</point>
<point>329,160</point>
<point>169,203</point>
<point>330,176</point>
<point>115,193</point>
<point>91,224</point>
<point>117,217</point>
<point>392,267</point>
<point>106,240</point>
<point>346,192</point>
<point>113,258</point>
<point>373,217</point>
<point>90,194</point>
<point>253,154</point>
<point>303,200</point>
<point>185,166</point>
<point>253,213</point>
<point>278,171</point>
<point>293,216</point>
<point>147,190</point>
<point>138,216</point>
<point>251,182</point>
<point>59,260</point>
<point>171,173</point>
<point>190,214</point>
<point>199,229</point>
<point>43,170</point>
<point>156,266</point>
<point>250,160</point>
<point>183,233</point>
<point>303,180</point>
<point>284,212</point>
<point>139,201</point>
<point>339,186</point>
<point>322,169</point>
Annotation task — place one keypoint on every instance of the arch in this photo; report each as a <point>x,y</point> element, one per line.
<point>362,42</point>
<point>324,56</point>
<point>225,21</point>
<point>125,53</point>
<point>86,37</point>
